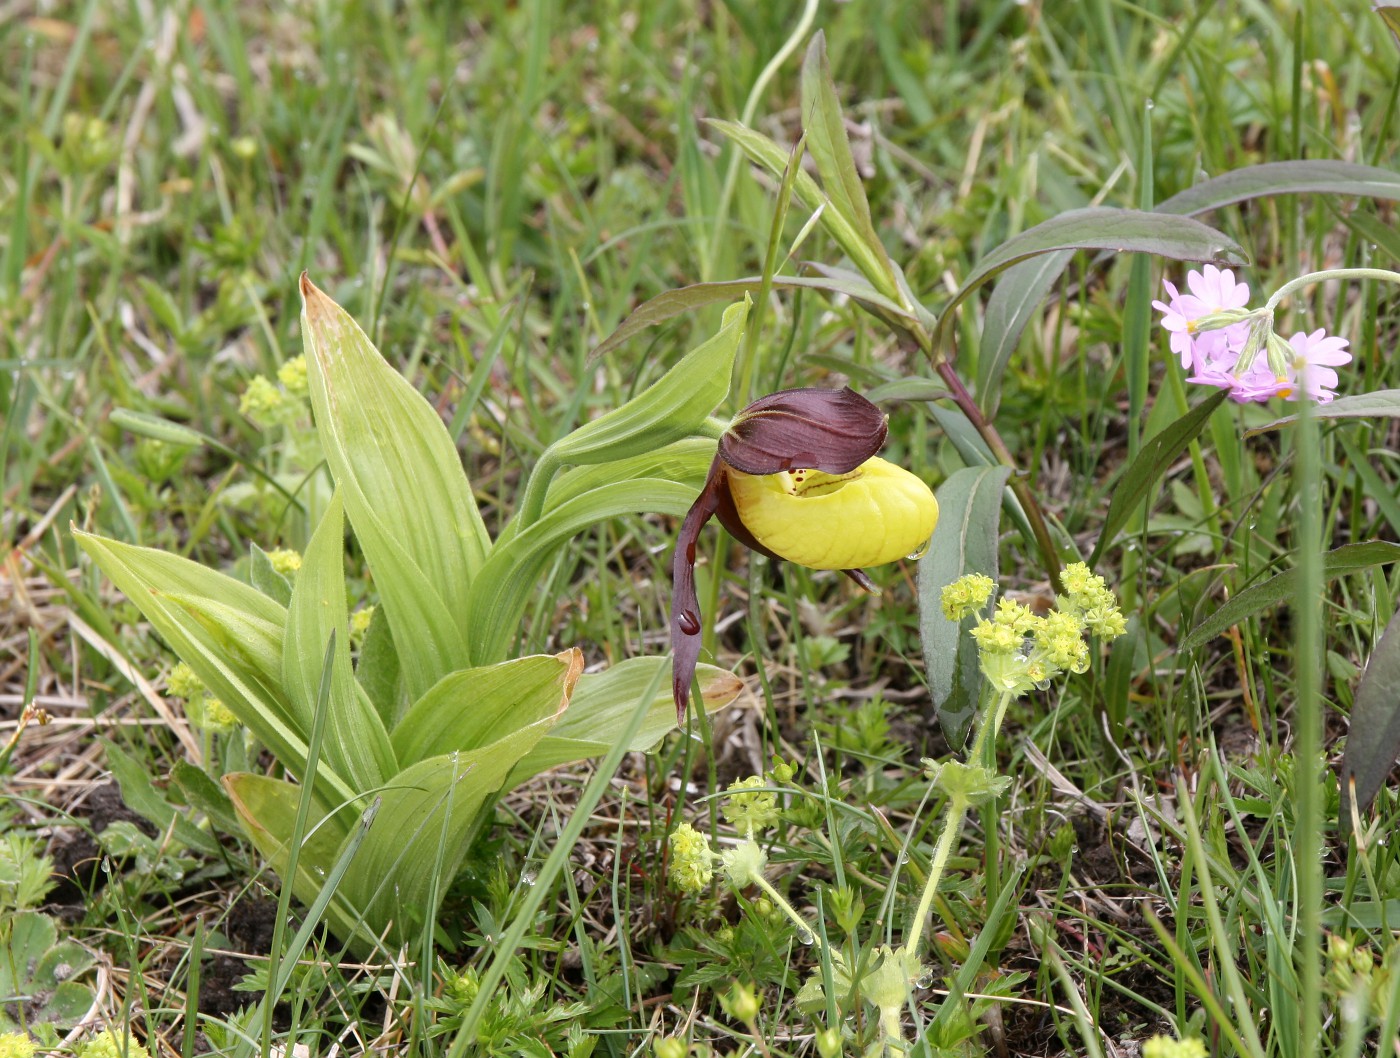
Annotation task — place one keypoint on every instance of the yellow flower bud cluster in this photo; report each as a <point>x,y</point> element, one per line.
<point>1092,601</point>
<point>692,861</point>
<point>203,709</point>
<point>1020,650</point>
<point>267,405</point>
<point>106,1045</point>
<point>749,807</point>
<point>284,560</point>
<point>16,1045</point>
<point>966,595</point>
<point>1166,1047</point>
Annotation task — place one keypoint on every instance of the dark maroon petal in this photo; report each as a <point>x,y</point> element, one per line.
<point>685,605</point>
<point>830,430</point>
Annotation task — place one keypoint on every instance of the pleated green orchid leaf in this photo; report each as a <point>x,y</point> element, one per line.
<point>602,705</point>
<point>210,620</point>
<point>670,409</point>
<point>475,707</point>
<point>405,492</point>
<point>356,742</point>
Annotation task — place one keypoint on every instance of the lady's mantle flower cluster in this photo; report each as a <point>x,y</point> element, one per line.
<point>1021,650</point>
<point>269,406</point>
<point>751,809</point>
<point>1226,345</point>
<point>203,709</point>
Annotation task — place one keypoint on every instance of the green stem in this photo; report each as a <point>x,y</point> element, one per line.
<point>1332,273</point>
<point>952,827</point>
<point>804,931</point>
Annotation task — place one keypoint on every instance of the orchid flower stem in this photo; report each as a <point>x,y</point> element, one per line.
<point>1019,485</point>
<point>1282,292</point>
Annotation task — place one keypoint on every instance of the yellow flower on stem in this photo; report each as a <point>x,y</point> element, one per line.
<point>796,477</point>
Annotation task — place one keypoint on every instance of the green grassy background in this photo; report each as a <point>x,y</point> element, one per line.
<point>489,189</point>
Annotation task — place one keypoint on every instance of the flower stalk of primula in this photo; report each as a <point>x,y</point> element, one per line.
<point>796,477</point>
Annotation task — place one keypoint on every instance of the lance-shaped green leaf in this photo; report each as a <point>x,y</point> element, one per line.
<point>428,816</point>
<point>356,742</point>
<point>405,492</point>
<point>831,150</point>
<point>965,541</point>
<point>475,707</point>
<point>684,462</point>
<point>1151,463</point>
<point>674,407</point>
<point>140,795</point>
<point>602,706</point>
<point>1284,178</point>
<point>775,159</point>
<point>183,601</point>
<point>1013,301</point>
<point>671,408</point>
<point>1103,228</point>
<point>672,303</point>
<point>1283,586</point>
<point>267,810</point>
<point>1378,404</point>
<point>1373,740</point>
<point>266,578</point>
<point>500,594</point>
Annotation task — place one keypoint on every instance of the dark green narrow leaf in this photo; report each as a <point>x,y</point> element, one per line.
<point>141,796</point>
<point>965,541</point>
<point>1373,741</point>
<point>1284,178</point>
<point>1379,404</point>
<point>1280,588</point>
<point>1152,462</point>
<point>1013,301</point>
<point>1104,228</point>
<point>378,669</point>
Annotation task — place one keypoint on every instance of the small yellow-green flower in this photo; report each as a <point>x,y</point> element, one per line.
<point>692,862</point>
<point>292,374</point>
<point>285,561</point>
<point>209,714</point>
<point>966,595</point>
<point>107,1045</point>
<point>359,624</point>
<point>1166,1047</point>
<point>183,683</point>
<point>749,807</point>
<point>262,401</point>
<point>16,1045</point>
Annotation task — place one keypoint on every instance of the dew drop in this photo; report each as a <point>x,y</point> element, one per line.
<point>920,551</point>
<point>689,622</point>
<point>806,936</point>
<point>923,980</point>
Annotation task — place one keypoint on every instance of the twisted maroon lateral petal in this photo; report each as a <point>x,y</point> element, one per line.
<point>831,430</point>
<point>685,605</point>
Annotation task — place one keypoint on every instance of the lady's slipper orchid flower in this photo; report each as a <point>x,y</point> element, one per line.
<point>796,477</point>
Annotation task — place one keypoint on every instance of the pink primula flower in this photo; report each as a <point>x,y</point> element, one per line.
<point>1314,357</point>
<point>1212,353</point>
<point>1212,290</point>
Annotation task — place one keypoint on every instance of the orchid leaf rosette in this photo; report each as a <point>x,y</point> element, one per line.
<point>796,477</point>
